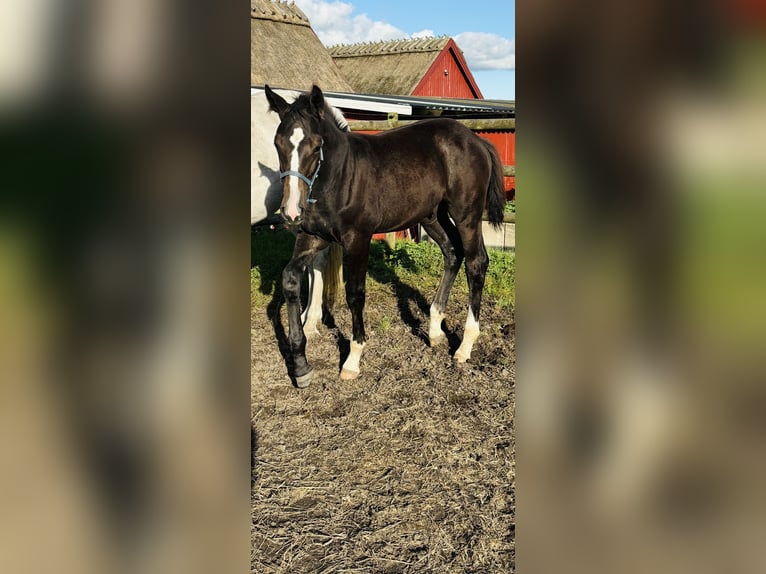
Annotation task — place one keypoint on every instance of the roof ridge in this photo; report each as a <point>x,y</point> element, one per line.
<point>278,12</point>
<point>383,47</point>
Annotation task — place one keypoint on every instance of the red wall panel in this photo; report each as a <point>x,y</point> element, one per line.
<point>453,84</point>
<point>505,142</point>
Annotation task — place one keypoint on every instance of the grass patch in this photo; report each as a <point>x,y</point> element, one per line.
<point>384,324</point>
<point>421,265</point>
<point>417,264</point>
<point>500,283</point>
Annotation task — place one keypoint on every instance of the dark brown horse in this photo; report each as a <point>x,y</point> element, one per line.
<point>344,187</point>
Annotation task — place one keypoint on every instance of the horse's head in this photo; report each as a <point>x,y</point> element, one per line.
<point>300,148</point>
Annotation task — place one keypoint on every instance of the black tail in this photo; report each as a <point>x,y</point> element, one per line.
<point>496,188</point>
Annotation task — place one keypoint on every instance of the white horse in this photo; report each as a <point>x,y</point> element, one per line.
<point>325,274</point>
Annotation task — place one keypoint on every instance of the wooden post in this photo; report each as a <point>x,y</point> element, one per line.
<point>391,239</point>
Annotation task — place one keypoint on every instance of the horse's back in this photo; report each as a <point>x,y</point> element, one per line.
<point>432,129</point>
<point>438,138</point>
<point>436,148</point>
<point>403,174</point>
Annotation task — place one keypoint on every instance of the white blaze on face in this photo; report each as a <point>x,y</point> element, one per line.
<point>292,207</point>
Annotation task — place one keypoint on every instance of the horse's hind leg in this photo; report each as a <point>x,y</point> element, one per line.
<point>476,263</point>
<point>445,234</point>
<point>357,251</point>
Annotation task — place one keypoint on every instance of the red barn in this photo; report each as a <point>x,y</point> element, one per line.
<point>414,67</point>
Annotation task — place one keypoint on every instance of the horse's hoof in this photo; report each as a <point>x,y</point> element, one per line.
<point>460,357</point>
<point>436,341</point>
<point>346,375</point>
<point>304,380</point>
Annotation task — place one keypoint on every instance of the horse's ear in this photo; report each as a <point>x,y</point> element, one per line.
<point>317,101</point>
<point>276,102</point>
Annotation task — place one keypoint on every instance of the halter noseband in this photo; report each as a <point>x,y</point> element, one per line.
<point>309,182</point>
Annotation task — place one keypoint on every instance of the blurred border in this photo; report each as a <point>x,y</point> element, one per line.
<point>124,253</point>
<point>640,395</point>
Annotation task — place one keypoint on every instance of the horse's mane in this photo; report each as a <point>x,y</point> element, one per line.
<point>302,106</point>
<point>340,120</point>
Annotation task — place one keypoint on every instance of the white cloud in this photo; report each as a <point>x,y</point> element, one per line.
<point>334,23</point>
<point>485,51</point>
<point>423,34</point>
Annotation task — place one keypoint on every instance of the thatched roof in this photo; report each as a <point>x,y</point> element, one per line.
<point>285,52</point>
<point>390,67</point>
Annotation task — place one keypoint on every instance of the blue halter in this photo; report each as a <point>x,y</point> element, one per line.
<point>309,182</point>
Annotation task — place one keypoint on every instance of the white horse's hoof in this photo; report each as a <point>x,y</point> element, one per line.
<point>460,357</point>
<point>347,375</point>
<point>350,369</point>
<point>437,340</point>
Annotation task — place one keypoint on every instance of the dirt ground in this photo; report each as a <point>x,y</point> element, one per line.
<point>409,468</point>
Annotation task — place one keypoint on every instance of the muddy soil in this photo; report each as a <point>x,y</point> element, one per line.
<point>408,468</point>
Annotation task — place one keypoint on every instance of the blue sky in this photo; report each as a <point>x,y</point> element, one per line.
<point>486,33</point>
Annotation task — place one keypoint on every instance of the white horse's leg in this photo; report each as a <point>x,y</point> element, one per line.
<point>312,315</point>
<point>470,335</point>
<point>350,368</point>
<point>476,263</point>
<point>435,333</point>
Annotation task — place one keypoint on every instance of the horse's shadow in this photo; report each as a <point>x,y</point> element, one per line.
<point>270,250</point>
<point>274,314</point>
<point>382,270</point>
<point>273,197</point>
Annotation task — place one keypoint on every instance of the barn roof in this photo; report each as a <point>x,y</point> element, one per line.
<point>414,106</point>
<point>389,67</point>
<point>427,105</point>
<point>285,52</point>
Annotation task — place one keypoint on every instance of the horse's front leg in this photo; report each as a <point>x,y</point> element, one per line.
<point>306,248</point>
<point>357,251</point>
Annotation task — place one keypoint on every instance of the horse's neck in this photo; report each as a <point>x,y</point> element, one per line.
<point>336,147</point>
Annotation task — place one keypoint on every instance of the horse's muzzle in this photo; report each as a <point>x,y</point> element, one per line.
<point>292,224</point>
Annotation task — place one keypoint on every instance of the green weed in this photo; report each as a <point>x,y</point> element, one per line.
<point>419,265</point>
